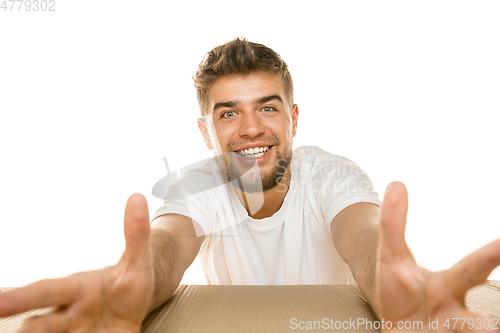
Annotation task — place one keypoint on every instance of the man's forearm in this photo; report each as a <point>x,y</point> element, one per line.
<point>365,265</point>
<point>168,267</point>
<point>355,232</point>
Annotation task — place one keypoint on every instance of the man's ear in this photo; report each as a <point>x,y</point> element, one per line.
<point>295,116</point>
<point>202,126</point>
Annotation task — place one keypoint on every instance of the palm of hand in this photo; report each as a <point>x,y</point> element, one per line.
<point>110,300</point>
<point>411,294</point>
<point>113,299</point>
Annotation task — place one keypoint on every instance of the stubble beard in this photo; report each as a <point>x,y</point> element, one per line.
<point>252,181</point>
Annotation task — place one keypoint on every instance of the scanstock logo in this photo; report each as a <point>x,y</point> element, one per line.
<point>194,190</point>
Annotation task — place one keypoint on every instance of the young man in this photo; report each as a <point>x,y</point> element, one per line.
<point>259,213</point>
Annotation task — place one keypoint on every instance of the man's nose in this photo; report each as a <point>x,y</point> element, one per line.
<point>251,125</point>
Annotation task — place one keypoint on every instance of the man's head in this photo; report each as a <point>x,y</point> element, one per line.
<point>248,109</point>
<point>239,57</point>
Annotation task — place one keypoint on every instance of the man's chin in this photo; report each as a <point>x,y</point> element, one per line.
<point>252,184</point>
<point>249,182</point>
<point>254,178</point>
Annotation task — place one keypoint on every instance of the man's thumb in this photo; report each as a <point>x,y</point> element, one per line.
<point>137,229</point>
<point>393,221</point>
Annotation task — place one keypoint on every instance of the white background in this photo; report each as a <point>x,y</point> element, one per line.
<point>95,94</point>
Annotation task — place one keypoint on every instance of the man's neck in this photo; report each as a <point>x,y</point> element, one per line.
<point>273,199</point>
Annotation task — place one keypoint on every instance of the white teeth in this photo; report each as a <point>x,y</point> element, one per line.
<point>256,152</point>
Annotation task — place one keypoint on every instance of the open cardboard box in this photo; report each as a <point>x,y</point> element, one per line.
<point>273,309</point>
<point>283,309</point>
<point>256,308</point>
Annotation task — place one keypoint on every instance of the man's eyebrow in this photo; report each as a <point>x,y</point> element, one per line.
<point>229,104</point>
<point>267,99</point>
<point>232,104</point>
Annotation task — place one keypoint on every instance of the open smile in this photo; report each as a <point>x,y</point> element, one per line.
<point>256,154</point>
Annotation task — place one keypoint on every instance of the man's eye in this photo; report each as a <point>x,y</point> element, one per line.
<point>268,109</point>
<point>228,114</point>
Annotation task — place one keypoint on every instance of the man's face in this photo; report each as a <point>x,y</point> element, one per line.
<point>253,123</point>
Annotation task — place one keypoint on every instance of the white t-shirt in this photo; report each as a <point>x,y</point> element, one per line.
<point>294,246</point>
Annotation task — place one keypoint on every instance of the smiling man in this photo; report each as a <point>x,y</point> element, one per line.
<point>264,210</point>
<point>254,122</point>
<point>252,118</point>
<point>258,213</point>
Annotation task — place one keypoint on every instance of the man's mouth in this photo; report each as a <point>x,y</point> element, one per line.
<point>254,152</point>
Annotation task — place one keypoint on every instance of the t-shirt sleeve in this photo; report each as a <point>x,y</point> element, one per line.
<point>343,183</point>
<point>188,196</point>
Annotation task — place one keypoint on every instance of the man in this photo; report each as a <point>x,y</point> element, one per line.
<point>253,223</point>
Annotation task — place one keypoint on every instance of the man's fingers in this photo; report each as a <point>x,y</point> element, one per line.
<point>473,269</point>
<point>37,295</point>
<point>56,322</point>
<point>393,223</point>
<point>137,230</point>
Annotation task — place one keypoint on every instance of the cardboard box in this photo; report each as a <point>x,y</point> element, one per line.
<point>273,309</point>
<point>282,309</point>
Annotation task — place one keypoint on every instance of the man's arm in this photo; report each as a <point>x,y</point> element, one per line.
<point>115,298</point>
<point>373,244</point>
<point>175,246</point>
<point>355,235</point>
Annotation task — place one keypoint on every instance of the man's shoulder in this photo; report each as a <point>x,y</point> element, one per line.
<point>194,178</point>
<point>314,162</point>
<point>316,155</point>
<point>206,170</point>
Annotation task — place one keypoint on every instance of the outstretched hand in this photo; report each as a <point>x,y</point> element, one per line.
<point>113,299</point>
<point>409,293</point>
